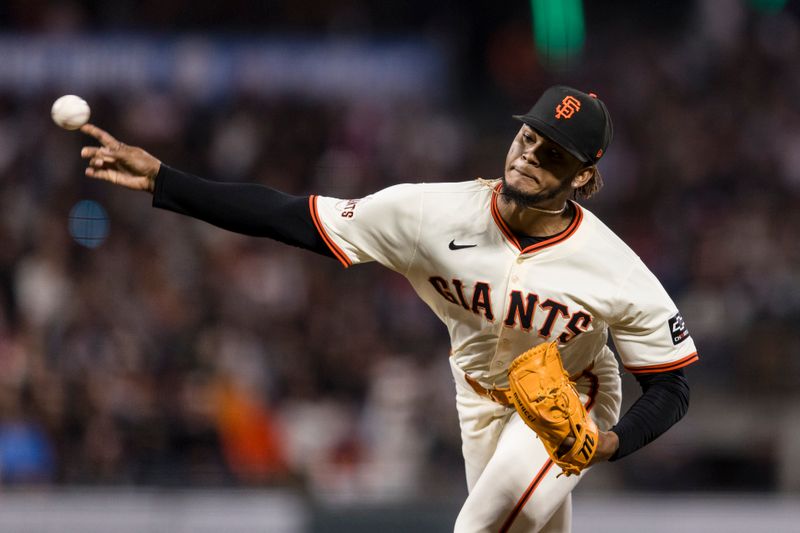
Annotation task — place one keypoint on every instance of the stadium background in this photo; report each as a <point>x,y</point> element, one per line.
<point>256,384</point>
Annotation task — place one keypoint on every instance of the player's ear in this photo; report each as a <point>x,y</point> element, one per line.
<point>582,177</point>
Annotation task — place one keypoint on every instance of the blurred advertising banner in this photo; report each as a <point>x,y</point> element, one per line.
<point>127,511</point>
<point>212,67</point>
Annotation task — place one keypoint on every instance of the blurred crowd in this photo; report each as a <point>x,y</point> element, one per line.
<point>179,354</point>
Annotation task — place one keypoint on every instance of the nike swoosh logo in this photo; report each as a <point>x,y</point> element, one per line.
<point>454,246</point>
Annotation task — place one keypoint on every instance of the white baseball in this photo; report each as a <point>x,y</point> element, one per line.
<point>70,112</point>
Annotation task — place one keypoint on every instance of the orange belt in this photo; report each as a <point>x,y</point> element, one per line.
<point>501,396</point>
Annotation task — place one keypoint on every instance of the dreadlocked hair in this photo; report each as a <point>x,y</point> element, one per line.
<point>588,189</point>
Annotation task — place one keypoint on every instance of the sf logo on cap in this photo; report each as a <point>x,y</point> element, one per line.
<point>568,107</point>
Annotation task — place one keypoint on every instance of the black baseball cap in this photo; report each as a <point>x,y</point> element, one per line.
<point>577,121</point>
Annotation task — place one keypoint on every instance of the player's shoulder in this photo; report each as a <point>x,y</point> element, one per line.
<point>434,187</point>
<point>452,187</point>
<point>603,238</point>
<point>412,199</point>
<point>443,193</point>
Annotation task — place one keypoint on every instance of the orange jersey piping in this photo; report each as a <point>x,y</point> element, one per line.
<point>506,231</point>
<point>664,367</point>
<point>337,252</point>
<point>592,396</point>
<point>526,495</point>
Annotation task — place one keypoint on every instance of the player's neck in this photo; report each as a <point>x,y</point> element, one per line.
<point>547,220</point>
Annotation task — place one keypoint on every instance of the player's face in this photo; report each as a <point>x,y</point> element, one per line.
<point>537,169</point>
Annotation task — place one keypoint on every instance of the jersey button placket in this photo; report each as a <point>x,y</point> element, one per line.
<point>504,343</point>
<point>517,273</point>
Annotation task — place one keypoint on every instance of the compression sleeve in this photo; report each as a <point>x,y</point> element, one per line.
<point>664,401</point>
<point>246,208</point>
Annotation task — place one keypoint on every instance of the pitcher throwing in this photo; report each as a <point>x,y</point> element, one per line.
<point>513,267</point>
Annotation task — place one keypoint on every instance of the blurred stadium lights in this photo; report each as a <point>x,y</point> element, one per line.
<point>204,68</point>
<point>558,31</point>
<point>768,6</point>
<point>88,223</point>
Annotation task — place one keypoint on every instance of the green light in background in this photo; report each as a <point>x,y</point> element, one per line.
<point>558,30</point>
<point>768,6</point>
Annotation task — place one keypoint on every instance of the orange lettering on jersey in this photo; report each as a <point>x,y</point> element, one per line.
<point>568,107</point>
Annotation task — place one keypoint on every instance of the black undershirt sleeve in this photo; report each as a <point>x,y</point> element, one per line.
<point>664,401</point>
<point>246,208</point>
<point>260,211</point>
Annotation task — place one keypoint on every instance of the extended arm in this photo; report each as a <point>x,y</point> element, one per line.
<point>245,208</point>
<point>664,401</point>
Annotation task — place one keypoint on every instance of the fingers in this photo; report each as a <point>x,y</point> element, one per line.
<point>102,174</point>
<point>94,152</point>
<point>98,173</point>
<point>118,163</point>
<point>139,183</point>
<point>97,156</point>
<point>105,138</point>
<point>88,152</point>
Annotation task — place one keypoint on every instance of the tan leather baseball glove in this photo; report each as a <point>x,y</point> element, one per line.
<point>548,402</point>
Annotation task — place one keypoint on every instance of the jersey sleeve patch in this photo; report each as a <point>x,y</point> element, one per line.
<point>649,331</point>
<point>677,329</point>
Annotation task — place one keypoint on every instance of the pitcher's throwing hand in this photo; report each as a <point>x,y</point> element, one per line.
<point>129,166</point>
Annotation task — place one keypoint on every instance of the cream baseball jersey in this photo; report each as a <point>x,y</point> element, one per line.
<point>498,299</point>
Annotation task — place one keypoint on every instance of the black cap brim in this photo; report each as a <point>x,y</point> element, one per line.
<point>554,135</point>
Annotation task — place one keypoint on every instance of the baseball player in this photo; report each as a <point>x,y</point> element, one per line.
<point>508,265</point>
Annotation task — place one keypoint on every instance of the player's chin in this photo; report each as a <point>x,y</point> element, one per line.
<point>520,182</point>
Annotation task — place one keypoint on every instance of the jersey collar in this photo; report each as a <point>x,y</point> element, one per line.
<point>509,235</point>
